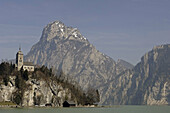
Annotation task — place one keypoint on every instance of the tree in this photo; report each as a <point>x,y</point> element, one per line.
<point>21,71</point>
<point>51,72</point>
<point>92,95</point>
<point>17,81</point>
<point>4,68</point>
<point>12,67</point>
<point>97,96</point>
<point>20,83</point>
<point>25,75</point>
<point>18,97</point>
<point>6,80</point>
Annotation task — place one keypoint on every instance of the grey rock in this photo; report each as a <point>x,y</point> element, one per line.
<point>39,92</point>
<point>64,48</point>
<point>124,64</point>
<point>147,83</point>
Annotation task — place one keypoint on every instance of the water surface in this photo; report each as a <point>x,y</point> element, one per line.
<point>115,109</point>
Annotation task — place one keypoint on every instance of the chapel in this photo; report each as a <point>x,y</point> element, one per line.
<point>29,66</point>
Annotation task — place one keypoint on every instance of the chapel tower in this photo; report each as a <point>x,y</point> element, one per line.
<point>19,59</point>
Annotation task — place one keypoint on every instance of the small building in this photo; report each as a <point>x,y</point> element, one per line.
<point>29,66</point>
<point>21,64</point>
<point>48,105</point>
<point>69,104</point>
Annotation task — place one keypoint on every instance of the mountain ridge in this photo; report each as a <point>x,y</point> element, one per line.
<point>72,53</point>
<point>147,83</point>
<point>64,48</point>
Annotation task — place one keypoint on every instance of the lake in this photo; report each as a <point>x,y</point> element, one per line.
<point>115,109</point>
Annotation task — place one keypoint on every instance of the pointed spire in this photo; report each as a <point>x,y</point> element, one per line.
<point>19,47</point>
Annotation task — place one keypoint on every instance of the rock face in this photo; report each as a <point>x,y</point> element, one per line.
<point>122,65</point>
<point>7,91</point>
<point>147,83</point>
<point>39,92</point>
<point>64,48</point>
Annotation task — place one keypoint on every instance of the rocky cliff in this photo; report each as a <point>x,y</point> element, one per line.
<point>147,83</point>
<point>36,92</point>
<point>122,65</point>
<point>41,87</point>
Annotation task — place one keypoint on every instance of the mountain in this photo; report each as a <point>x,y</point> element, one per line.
<point>123,65</point>
<point>147,83</point>
<point>64,48</point>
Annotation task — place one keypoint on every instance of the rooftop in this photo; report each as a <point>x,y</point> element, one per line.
<point>28,64</point>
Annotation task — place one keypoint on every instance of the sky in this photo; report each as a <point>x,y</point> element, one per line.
<point>121,29</point>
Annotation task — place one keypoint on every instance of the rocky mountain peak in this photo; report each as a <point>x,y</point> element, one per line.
<point>64,48</point>
<point>57,30</point>
<point>155,54</point>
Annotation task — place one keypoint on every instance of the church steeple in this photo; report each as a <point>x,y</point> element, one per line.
<point>19,59</point>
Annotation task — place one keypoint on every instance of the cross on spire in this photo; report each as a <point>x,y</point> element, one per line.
<point>19,47</point>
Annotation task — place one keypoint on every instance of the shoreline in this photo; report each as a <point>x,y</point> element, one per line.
<point>113,106</point>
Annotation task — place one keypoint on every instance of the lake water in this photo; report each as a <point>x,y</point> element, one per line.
<point>116,109</point>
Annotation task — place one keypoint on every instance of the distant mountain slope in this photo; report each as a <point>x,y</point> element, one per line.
<point>124,64</point>
<point>147,83</point>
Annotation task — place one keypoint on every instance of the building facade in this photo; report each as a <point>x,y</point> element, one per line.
<point>21,64</point>
<point>19,59</point>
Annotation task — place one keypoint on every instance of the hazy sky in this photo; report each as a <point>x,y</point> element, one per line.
<point>122,29</point>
